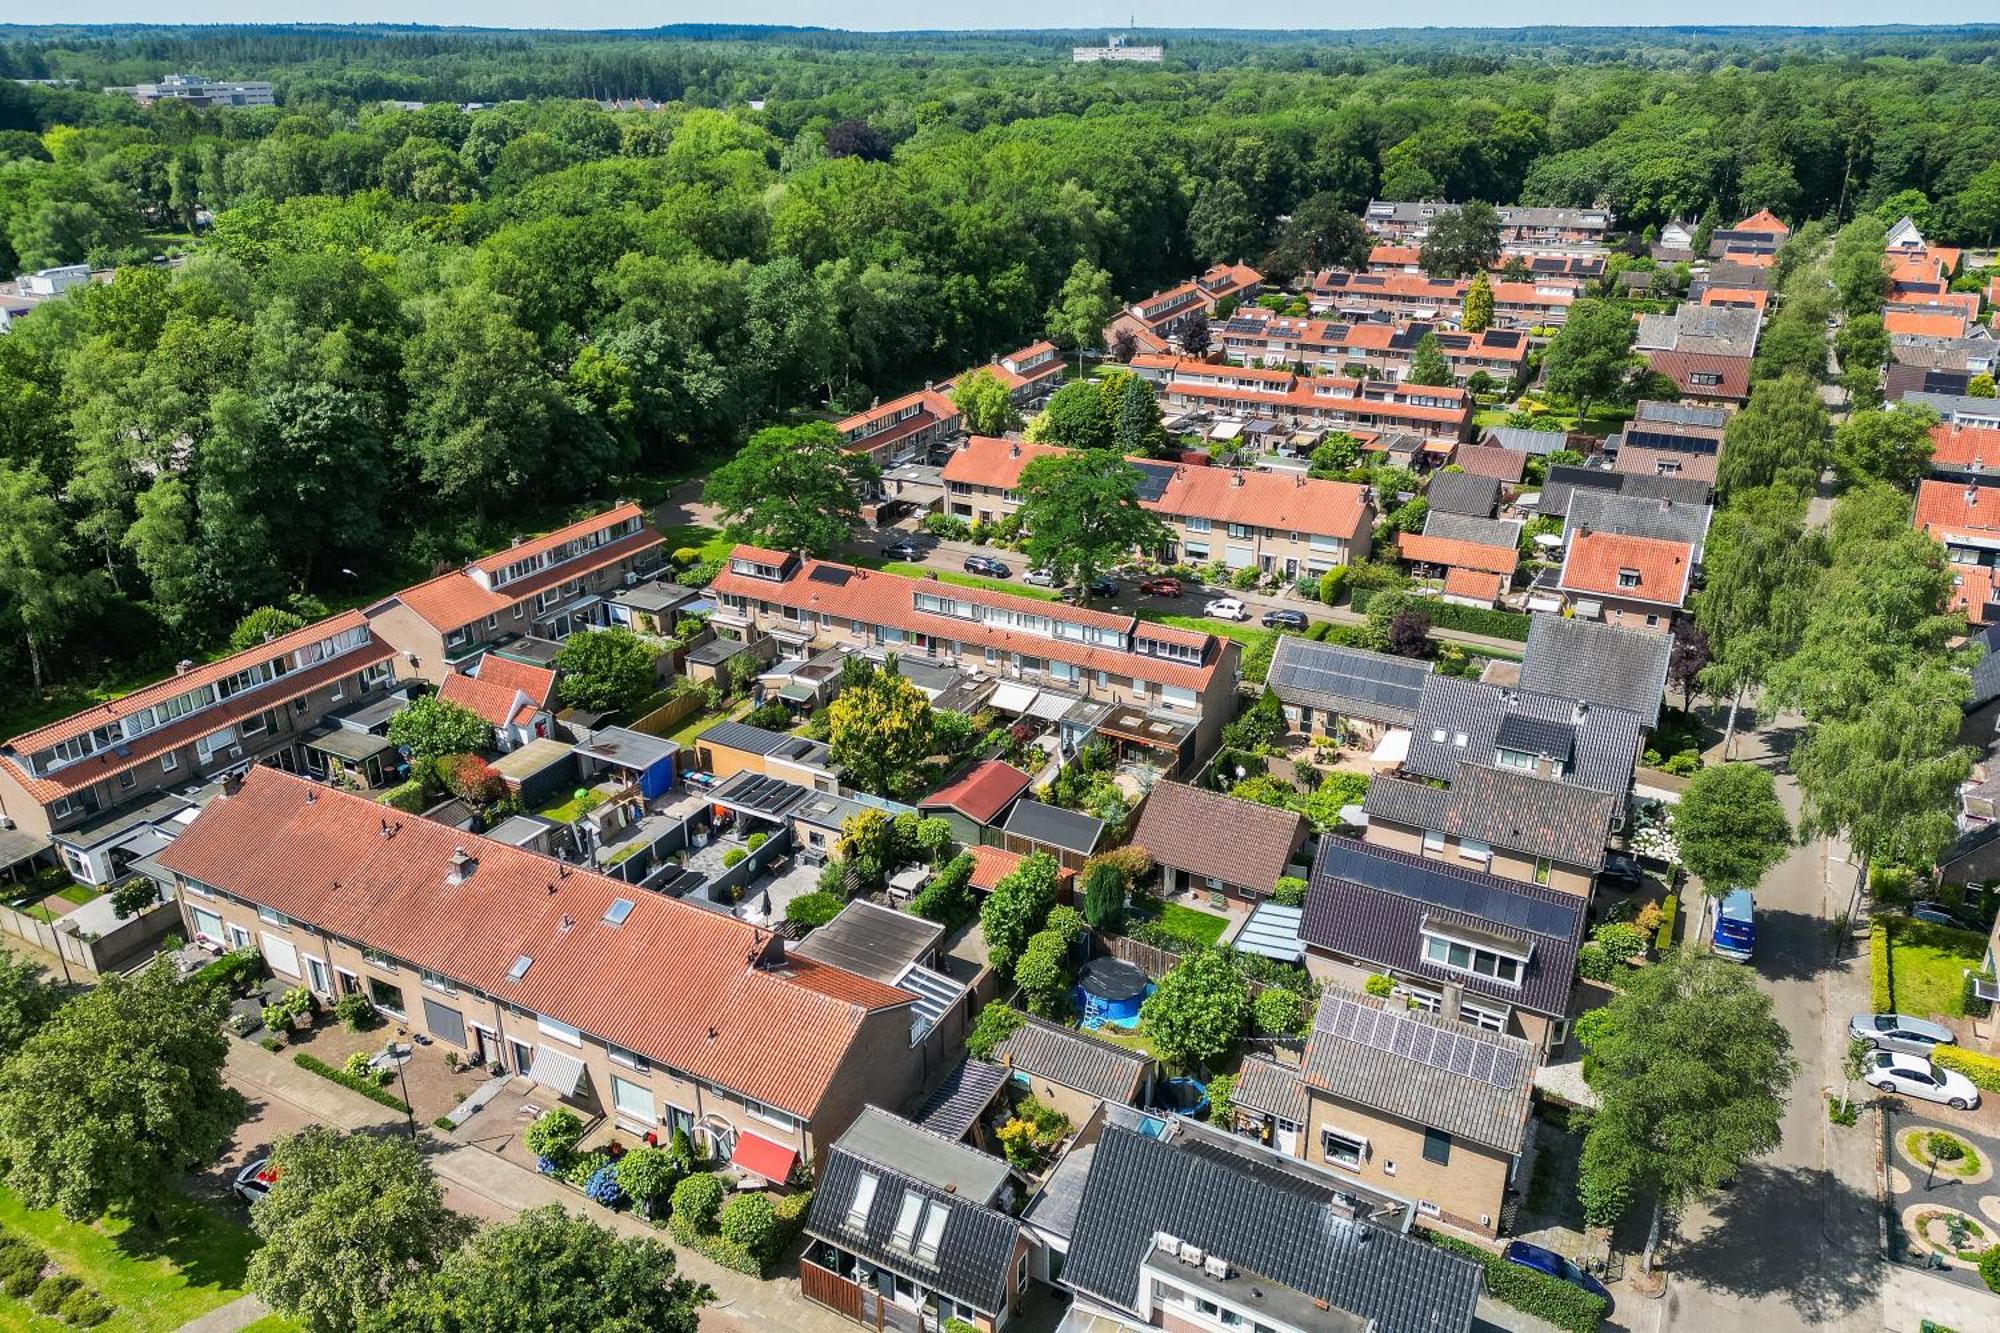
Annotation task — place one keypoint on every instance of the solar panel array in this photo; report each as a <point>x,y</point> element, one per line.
<point>1154,478</point>
<point>832,574</point>
<point>1442,888</point>
<point>1349,673</point>
<point>1503,338</point>
<point>764,795</point>
<point>1534,735</point>
<point>1438,1047</point>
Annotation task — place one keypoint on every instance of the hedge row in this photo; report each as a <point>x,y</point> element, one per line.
<point>347,1080</point>
<point>407,797</point>
<point>1881,988</point>
<point>1663,938</point>
<point>788,1215</point>
<point>1528,1291</point>
<point>234,969</point>
<point>1983,1070</point>
<point>1465,619</point>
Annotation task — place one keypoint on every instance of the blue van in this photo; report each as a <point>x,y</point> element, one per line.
<point>1736,925</point>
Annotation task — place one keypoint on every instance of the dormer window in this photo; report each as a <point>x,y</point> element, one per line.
<point>1628,578</point>
<point>1483,957</point>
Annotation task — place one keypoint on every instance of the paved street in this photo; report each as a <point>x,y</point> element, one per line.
<point>1793,1244</point>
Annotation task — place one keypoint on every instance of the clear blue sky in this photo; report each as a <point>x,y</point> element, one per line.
<point>892,14</point>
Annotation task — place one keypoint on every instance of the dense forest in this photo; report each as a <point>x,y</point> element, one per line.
<point>399,335</point>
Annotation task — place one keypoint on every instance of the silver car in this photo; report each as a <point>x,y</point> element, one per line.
<point>1900,1032</point>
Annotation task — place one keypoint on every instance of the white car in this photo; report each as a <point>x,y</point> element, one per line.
<point>1039,578</point>
<point>1226,608</point>
<point>1914,1076</point>
<point>254,1181</point>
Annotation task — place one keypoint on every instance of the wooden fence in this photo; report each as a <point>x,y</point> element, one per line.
<point>668,715</point>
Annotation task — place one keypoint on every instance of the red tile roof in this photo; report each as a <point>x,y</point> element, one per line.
<point>1509,465</point>
<point>875,597</point>
<point>1763,220</point>
<point>1682,367</point>
<point>452,600</point>
<point>1948,508</point>
<point>1924,323</point>
<point>1453,552</point>
<point>1396,256</point>
<point>538,683</point>
<point>1595,560</point>
<point>1965,446</point>
<point>493,702</point>
<point>1736,296</point>
<point>990,865</point>
<point>1972,590</point>
<point>987,460</point>
<point>672,983</point>
<point>499,560</point>
<point>981,792</point>
<point>1486,588</point>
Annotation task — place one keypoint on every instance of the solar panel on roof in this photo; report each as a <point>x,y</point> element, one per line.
<point>1534,735</point>
<point>1440,887</point>
<point>833,574</point>
<point>1154,478</point>
<point>1350,674</point>
<point>1422,1043</point>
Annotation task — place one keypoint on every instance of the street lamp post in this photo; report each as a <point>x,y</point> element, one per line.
<point>403,1082</point>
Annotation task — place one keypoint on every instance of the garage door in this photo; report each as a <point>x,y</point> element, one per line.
<point>280,954</point>
<point>444,1021</point>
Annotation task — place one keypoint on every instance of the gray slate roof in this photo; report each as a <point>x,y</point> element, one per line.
<point>1071,1060</point>
<point>1986,672</point>
<point>1370,904</point>
<point>1054,826</point>
<point>1607,739</point>
<point>1294,1234</point>
<point>1524,441</point>
<point>1506,807</point>
<point>956,1168</point>
<point>973,1254</point>
<point>1564,481</point>
<point>1265,1086</point>
<point>1600,664</point>
<point>1352,682</point>
<point>1715,330</point>
<point>1636,516</point>
<point>1468,528</point>
<point>1399,801</point>
<point>1956,408</point>
<point>1418,1067</point>
<point>954,1105</point>
<point>1464,493</point>
<point>872,941</point>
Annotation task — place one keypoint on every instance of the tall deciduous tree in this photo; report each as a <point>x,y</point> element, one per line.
<point>793,488</point>
<point>1730,827</point>
<point>880,732</point>
<point>985,404</point>
<point>117,1095</point>
<point>40,589</point>
<point>1017,907</point>
<point>1323,232</point>
<point>1428,364</point>
<point>1691,1068</point>
<point>27,1001</point>
<point>1222,226</point>
<point>1759,571</point>
<point>1083,306</point>
<point>1137,427</point>
<point>1858,267</point>
<point>1778,439</point>
<point>1082,515</point>
<point>1197,1010</point>
<point>605,670</point>
<point>1877,445</point>
<point>349,1220</point>
<point>432,727</point>
<point>1588,359</point>
<point>1078,416</point>
<point>1477,315</point>
<point>1464,240</point>
<point>549,1271</point>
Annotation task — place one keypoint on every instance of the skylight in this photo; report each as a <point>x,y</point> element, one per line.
<point>520,968</point>
<point>615,914</point>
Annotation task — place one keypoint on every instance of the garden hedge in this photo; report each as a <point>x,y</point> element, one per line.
<point>1881,988</point>
<point>1528,1291</point>
<point>1663,938</point>
<point>788,1217</point>
<point>1465,619</point>
<point>347,1080</point>
<point>407,797</point>
<point>1983,1070</point>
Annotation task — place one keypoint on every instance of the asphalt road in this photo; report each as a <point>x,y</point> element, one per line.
<point>1792,1244</point>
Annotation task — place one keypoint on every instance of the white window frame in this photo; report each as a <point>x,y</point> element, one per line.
<point>1327,1133</point>
<point>561,1031</point>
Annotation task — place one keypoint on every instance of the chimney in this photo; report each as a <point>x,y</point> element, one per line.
<point>182,667</point>
<point>1014,450</point>
<point>232,783</point>
<point>1236,477</point>
<point>1449,1001</point>
<point>516,540</point>
<point>567,923</point>
<point>1579,711</point>
<point>462,865</point>
<point>312,795</point>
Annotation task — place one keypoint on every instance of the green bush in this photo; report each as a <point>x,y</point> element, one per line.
<point>22,1281</point>
<point>756,840</point>
<point>1381,984</point>
<point>733,857</point>
<point>554,1135</point>
<point>1663,938</point>
<point>84,1309</point>
<point>1290,891</point>
<point>1332,584</point>
<point>647,1174</point>
<point>585,1165</point>
<point>1682,765</point>
<point>1881,989</point>
<point>357,1012</point>
<point>233,970</point>
<point>50,1295</point>
<point>749,1220</point>
<point>1465,619</point>
<point>948,898</point>
<point>1278,1012</point>
<point>698,1201</point>
<point>366,1087</point>
<point>1943,1147</point>
<point>1983,1070</point>
<point>996,1023</point>
<point>815,909</point>
<point>1528,1291</point>
<point>1989,1267</point>
<point>407,797</point>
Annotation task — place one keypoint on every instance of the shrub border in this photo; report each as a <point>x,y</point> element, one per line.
<point>346,1080</point>
<point>1524,1289</point>
<point>1881,981</point>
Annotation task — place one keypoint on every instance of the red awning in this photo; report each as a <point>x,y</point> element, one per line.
<point>761,1157</point>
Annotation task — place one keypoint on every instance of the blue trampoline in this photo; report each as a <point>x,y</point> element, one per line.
<point>1111,991</point>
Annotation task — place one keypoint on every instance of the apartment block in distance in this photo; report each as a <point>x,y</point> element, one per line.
<point>546,588</point>
<point>77,779</point>
<point>638,1006</point>
<point>1183,679</point>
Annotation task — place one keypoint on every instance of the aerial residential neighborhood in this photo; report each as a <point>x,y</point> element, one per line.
<point>745,678</point>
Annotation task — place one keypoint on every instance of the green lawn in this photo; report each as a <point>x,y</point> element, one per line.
<point>570,810</point>
<point>700,722</point>
<point>1246,632</point>
<point>155,1283</point>
<point>1131,1041</point>
<point>1014,586</point>
<point>76,893</point>
<point>1192,924</point>
<point>1927,967</point>
<point>709,541</point>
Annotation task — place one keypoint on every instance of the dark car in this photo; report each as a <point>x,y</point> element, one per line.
<point>1620,872</point>
<point>903,548</point>
<point>1285,619</point>
<point>987,565</point>
<point>1548,1261</point>
<point>1161,587</point>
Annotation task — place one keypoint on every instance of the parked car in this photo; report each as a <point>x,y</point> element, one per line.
<point>1621,872</point>
<point>254,1181</point>
<point>1164,586</point>
<point>1286,618</point>
<point>1900,1032</point>
<point>1916,1076</point>
<point>1937,914</point>
<point>1544,1260</point>
<point>903,548</point>
<point>1226,608</point>
<point>1736,926</point>
<point>1035,578</point>
<point>1101,586</point>
<point>987,565</point>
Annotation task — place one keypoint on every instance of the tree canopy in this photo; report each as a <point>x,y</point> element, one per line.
<point>605,670</point>
<point>881,732</point>
<point>1730,827</point>
<point>1082,515</point>
<point>792,488</point>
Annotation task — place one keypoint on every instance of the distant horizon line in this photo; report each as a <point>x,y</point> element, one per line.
<point>1432,29</point>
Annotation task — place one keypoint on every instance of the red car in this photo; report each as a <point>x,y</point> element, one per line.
<point>1161,587</point>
